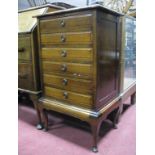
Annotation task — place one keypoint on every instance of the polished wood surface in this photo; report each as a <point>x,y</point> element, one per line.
<point>67,38</point>
<point>67,24</point>
<point>70,69</point>
<point>79,55</point>
<point>25,76</point>
<point>66,83</point>
<point>107,59</point>
<point>24,48</point>
<point>68,96</point>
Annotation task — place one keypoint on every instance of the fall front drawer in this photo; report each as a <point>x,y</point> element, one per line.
<point>72,84</point>
<point>67,38</point>
<point>25,76</point>
<point>68,54</point>
<point>24,47</point>
<point>67,24</point>
<point>68,96</point>
<point>70,69</point>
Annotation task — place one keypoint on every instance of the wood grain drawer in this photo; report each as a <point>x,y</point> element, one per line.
<point>24,48</point>
<point>25,76</point>
<point>71,84</point>
<point>67,24</point>
<point>84,55</point>
<point>68,96</point>
<point>71,69</point>
<point>67,38</point>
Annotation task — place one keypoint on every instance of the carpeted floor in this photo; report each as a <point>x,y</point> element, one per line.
<point>66,138</point>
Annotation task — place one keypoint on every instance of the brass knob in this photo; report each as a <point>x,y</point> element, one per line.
<point>64,82</point>
<point>65,94</point>
<point>63,39</point>
<point>62,23</point>
<point>23,76</point>
<point>21,49</point>
<point>64,68</point>
<point>63,53</point>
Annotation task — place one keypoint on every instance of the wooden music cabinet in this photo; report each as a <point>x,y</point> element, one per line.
<point>28,65</point>
<point>80,64</point>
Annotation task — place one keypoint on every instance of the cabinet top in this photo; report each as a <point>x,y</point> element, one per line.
<point>91,7</point>
<point>26,22</point>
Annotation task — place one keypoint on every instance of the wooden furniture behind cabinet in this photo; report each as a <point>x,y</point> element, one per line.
<point>79,63</point>
<point>28,62</point>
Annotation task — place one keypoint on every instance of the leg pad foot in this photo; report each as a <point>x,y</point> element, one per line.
<point>94,149</point>
<point>115,126</point>
<point>40,126</point>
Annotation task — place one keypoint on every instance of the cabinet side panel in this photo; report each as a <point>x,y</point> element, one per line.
<point>107,58</point>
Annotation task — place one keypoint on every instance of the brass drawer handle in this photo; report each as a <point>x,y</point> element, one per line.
<point>63,53</point>
<point>64,82</point>
<point>62,23</point>
<point>23,76</point>
<point>64,68</point>
<point>63,38</point>
<point>21,49</point>
<point>65,94</point>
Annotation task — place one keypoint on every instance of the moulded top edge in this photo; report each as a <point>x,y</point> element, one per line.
<point>97,6</point>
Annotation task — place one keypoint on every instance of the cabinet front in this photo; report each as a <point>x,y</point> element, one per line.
<point>66,57</point>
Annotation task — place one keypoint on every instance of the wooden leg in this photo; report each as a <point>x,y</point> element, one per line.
<point>118,114</point>
<point>35,103</point>
<point>45,119</point>
<point>95,126</point>
<point>133,98</point>
<point>116,119</point>
<point>40,124</point>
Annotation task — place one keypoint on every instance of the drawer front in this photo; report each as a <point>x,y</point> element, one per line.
<point>68,69</point>
<point>24,48</point>
<point>67,24</point>
<point>70,97</point>
<point>67,38</point>
<point>71,84</point>
<point>84,55</point>
<point>25,76</point>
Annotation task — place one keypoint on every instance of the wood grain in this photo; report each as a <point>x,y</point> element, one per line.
<point>66,83</point>
<point>67,24</point>
<point>73,98</point>
<point>72,69</point>
<point>81,55</point>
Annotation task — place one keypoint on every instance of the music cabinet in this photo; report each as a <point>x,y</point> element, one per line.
<point>79,54</point>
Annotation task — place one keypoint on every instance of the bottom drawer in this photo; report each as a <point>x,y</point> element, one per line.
<point>25,76</point>
<point>70,97</point>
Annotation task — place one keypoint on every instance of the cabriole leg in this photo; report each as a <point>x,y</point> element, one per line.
<point>45,119</point>
<point>35,100</point>
<point>116,119</point>
<point>95,126</point>
<point>133,98</point>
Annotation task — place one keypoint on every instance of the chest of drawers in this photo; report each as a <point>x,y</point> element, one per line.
<point>79,63</point>
<point>28,64</point>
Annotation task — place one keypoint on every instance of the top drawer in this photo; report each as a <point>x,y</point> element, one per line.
<point>24,47</point>
<point>67,24</point>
